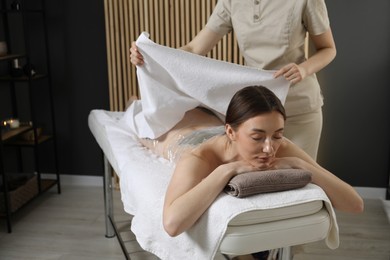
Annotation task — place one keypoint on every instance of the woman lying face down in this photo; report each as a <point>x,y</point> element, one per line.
<point>251,140</point>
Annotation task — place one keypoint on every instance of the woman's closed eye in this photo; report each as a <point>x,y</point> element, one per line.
<point>258,138</point>
<point>276,136</point>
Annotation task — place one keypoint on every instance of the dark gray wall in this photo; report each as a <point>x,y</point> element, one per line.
<point>80,83</point>
<point>79,69</point>
<point>355,140</point>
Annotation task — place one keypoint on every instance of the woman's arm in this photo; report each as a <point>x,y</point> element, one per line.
<point>342,195</point>
<point>325,53</point>
<point>193,188</point>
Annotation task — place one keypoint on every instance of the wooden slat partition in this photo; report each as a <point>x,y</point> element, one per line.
<point>171,23</point>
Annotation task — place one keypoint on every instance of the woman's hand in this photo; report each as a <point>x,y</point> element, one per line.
<point>239,167</point>
<point>287,163</point>
<point>292,72</point>
<point>136,58</point>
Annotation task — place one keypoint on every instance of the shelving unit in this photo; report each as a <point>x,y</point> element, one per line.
<point>29,183</point>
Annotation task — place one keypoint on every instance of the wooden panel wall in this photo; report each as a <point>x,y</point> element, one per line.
<point>171,23</point>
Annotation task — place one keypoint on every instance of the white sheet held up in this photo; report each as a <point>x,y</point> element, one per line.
<point>173,81</point>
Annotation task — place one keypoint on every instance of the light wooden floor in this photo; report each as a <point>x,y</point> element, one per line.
<point>71,226</point>
<point>365,236</point>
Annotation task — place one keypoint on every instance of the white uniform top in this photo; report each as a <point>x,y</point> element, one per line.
<point>271,34</point>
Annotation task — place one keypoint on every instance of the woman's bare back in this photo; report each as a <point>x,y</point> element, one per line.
<point>195,119</point>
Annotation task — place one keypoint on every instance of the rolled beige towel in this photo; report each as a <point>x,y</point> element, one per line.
<point>257,182</point>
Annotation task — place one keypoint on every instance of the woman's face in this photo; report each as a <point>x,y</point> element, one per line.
<point>258,139</point>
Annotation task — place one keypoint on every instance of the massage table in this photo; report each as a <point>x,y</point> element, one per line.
<point>253,230</point>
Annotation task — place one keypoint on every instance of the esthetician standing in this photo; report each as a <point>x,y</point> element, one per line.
<point>271,36</point>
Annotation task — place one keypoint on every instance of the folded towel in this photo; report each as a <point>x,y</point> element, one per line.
<point>173,81</point>
<point>252,183</point>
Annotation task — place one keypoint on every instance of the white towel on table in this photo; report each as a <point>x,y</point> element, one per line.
<point>144,178</point>
<point>173,81</point>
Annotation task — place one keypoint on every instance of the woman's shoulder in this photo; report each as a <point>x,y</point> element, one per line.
<point>197,163</point>
<point>284,147</point>
<point>211,151</point>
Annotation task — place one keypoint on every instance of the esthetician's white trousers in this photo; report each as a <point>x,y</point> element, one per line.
<point>305,131</point>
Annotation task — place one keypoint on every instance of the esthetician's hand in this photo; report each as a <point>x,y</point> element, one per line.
<point>292,72</point>
<point>136,58</point>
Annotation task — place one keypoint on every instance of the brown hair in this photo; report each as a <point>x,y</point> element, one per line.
<point>252,101</point>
